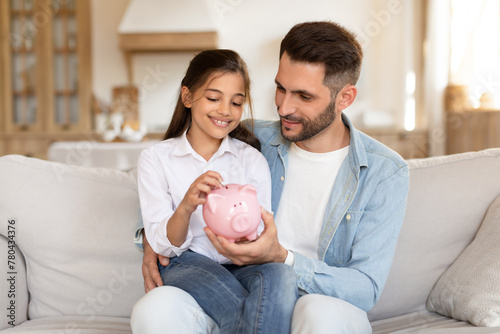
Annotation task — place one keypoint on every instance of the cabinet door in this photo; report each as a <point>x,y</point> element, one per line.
<point>70,66</point>
<point>21,66</point>
<point>46,60</point>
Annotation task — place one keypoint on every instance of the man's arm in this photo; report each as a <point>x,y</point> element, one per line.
<point>150,271</point>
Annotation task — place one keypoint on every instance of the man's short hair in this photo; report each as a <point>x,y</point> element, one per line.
<point>329,44</point>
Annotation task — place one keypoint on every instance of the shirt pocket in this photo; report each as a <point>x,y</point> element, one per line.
<point>340,249</point>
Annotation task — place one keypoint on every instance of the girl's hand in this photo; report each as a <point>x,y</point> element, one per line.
<point>197,192</point>
<point>178,224</point>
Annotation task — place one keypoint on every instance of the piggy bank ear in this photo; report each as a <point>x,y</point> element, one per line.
<point>248,189</point>
<point>213,200</point>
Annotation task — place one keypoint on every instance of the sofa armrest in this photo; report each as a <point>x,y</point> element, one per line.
<point>13,288</point>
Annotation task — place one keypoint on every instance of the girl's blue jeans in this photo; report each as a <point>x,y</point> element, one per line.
<point>240,299</point>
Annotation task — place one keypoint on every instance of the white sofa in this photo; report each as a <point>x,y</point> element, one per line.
<point>75,269</point>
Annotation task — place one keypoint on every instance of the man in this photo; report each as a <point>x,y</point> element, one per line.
<point>339,197</point>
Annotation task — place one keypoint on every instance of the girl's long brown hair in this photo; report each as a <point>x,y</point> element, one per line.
<point>199,70</point>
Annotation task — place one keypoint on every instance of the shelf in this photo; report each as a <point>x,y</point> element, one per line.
<point>64,11</point>
<point>22,12</point>
<point>409,144</point>
<point>65,50</point>
<point>147,42</point>
<point>472,130</point>
<point>66,92</point>
<point>22,50</point>
<point>29,92</point>
<point>465,111</point>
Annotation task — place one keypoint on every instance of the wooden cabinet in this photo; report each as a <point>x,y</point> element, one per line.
<point>45,64</point>
<point>472,130</point>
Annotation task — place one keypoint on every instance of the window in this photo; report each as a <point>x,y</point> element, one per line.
<point>474,50</point>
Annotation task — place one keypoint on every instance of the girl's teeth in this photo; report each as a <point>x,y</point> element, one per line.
<point>220,122</point>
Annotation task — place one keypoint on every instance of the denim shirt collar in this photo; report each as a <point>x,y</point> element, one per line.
<point>357,153</point>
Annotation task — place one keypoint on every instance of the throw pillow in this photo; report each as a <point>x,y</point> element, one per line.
<point>469,290</point>
<point>74,226</point>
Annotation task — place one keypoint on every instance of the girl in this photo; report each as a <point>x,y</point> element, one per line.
<point>205,145</point>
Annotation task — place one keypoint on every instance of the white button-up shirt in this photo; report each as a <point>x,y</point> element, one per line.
<point>167,169</point>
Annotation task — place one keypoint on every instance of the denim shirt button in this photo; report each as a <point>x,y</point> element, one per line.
<point>348,217</point>
<point>282,178</point>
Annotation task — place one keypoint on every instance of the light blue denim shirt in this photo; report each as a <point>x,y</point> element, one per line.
<point>362,220</point>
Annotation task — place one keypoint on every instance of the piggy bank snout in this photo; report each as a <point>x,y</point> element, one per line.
<point>242,222</point>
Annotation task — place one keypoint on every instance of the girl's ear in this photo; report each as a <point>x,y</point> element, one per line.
<point>186,96</point>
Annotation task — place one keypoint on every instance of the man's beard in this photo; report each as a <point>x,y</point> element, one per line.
<point>312,127</point>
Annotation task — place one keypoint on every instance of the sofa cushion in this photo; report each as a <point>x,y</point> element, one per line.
<point>73,324</point>
<point>447,201</point>
<point>423,322</point>
<point>470,289</point>
<point>75,227</point>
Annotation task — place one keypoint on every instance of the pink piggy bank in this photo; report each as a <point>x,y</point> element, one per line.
<point>233,211</point>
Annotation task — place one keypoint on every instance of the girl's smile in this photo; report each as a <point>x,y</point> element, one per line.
<point>220,122</point>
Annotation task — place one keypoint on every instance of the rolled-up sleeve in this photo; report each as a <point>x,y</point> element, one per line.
<point>157,205</point>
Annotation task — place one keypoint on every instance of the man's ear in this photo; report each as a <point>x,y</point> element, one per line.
<point>186,96</point>
<point>346,97</point>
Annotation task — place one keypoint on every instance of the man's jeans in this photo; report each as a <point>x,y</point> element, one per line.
<point>247,299</point>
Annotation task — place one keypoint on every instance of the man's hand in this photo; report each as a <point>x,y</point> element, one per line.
<point>150,271</point>
<point>265,249</point>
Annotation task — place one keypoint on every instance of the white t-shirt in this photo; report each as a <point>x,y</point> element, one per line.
<point>166,170</point>
<point>308,184</point>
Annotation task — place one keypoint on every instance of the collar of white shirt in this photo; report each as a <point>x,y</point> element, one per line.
<point>183,147</point>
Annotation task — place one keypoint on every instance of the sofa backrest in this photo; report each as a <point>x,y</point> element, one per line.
<point>447,201</point>
<point>74,226</point>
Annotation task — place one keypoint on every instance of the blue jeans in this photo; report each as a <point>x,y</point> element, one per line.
<point>246,299</point>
